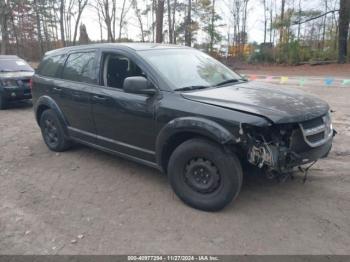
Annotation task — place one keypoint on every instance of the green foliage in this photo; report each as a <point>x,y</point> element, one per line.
<point>264,55</point>
<point>327,54</point>
<point>289,53</point>
<point>292,53</point>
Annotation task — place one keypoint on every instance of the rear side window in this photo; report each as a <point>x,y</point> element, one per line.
<point>81,67</point>
<point>51,65</point>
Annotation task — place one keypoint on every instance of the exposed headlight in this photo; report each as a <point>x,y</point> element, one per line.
<point>330,120</point>
<point>328,123</point>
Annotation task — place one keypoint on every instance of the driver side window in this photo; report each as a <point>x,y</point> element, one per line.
<point>116,68</point>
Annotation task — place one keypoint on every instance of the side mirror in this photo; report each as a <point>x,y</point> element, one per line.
<point>137,85</point>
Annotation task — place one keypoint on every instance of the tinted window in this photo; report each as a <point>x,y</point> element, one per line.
<point>50,65</point>
<point>80,67</point>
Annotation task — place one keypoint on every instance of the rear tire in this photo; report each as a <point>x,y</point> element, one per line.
<point>3,102</point>
<point>203,175</point>
<point>52,132</point>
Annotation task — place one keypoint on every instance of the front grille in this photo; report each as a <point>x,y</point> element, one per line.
<point>316,137</point>
<point>297,142</point>
<point>317,131</point>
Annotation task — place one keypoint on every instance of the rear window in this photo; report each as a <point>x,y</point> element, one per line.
<point>80,67</point>
<point>14,65</point>
<point>51,65</point>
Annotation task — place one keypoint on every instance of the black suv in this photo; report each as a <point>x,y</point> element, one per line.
<point>15,75</point>
<point>178,110</point>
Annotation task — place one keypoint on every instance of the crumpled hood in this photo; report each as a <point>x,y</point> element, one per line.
<point>278,103</point>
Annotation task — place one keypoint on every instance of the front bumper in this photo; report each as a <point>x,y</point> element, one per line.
<point>313,154</point>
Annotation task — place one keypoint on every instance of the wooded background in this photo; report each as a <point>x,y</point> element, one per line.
<point>293,34</point>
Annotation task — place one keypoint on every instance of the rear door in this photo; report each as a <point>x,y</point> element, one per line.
<point>78,77</point>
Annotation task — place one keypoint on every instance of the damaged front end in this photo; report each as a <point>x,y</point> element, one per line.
<point>280,148</point>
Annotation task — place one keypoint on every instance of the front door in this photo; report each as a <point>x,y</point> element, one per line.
<point>124,122</point>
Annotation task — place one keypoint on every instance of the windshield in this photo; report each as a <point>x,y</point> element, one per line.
<point>189,67</point>
<point>14,65</point>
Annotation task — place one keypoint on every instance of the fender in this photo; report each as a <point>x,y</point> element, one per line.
<point>198,125</point>
<point>50,103</point>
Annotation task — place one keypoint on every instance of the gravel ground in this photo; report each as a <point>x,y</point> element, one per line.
<point>88,202</point>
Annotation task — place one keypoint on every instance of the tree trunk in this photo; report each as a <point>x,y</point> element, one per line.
<point>46,34</point>
<point>188,33</point>
<point>344,17</point>
<point>154,3</point>
<point>38,26</point>
<point>159,21</point>
<point>324,24</point>
<point>173,23</point>
<point>62,22</point>
<point>282,21</point>
<point>113,19</point>
<point>4,26</point>
<point>108,17</point>
<point>76,28</point>
<point>244,27</point>
<point>4,35</point>
<point>15,33</point>
<point>139,18</point>
<point>100,24</point>
<point>212,27</point>
<point>271,22</point>
<point>80,11</point>
<point>169,23</point>
<point>299,18</point>
<point>265,21</point>
<point>121,21</point>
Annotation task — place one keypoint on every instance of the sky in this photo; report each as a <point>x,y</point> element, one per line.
<point>255,22</point>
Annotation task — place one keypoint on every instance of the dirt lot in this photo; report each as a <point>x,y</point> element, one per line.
<point>87,202</point>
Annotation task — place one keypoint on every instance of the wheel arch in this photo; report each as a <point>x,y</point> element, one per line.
<point>182,129</point>
<point>45,103</point>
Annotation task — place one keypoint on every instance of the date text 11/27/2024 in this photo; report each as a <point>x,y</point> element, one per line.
<point>173,258</point>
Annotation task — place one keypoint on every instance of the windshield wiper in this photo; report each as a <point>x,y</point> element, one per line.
<point>233,80</point>
<point>189,88</point>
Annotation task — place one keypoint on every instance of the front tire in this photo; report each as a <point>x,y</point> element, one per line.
<point>52,132</point>
<point>203,175</point>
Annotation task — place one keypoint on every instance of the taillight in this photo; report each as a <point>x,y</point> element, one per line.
<point>31,83</point>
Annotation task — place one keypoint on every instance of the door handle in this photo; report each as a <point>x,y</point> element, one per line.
<point>57,89</point>
<point>99,98</point>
